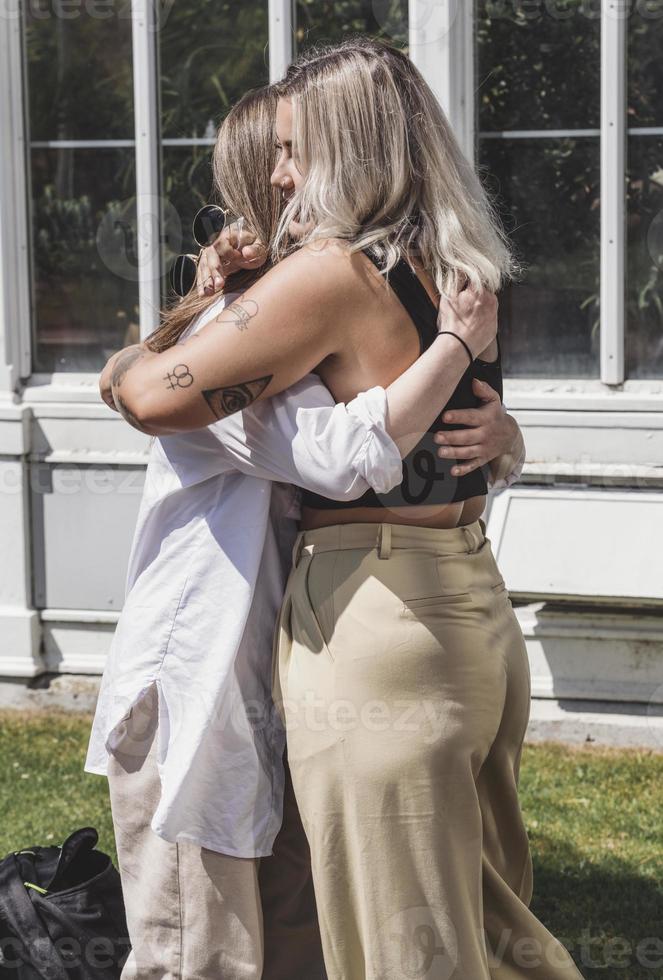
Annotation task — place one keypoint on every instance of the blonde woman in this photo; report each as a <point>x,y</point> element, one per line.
<point>214,862</point>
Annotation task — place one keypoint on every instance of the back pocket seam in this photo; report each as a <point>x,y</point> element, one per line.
<point>427,601</point>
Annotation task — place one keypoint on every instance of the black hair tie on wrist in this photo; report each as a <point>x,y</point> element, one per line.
<point>469,352</point>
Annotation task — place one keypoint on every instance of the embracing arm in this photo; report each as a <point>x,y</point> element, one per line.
<point>270,337</point>
<point>277,332</point>
<point>302,436</point>
<point>179,400</point>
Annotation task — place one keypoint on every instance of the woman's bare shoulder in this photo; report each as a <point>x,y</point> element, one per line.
<point>324,271</point>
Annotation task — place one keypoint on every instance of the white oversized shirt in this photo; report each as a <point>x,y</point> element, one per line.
<point>207,570</point>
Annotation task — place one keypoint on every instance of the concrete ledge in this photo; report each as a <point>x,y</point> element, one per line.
<point>60,692</point>
<point>620,724</point>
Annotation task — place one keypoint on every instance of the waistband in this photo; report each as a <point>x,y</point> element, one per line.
<point>389,537</point>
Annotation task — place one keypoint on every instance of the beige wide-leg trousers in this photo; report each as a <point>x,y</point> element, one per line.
<point>404,683</point>
<point>196,914</point>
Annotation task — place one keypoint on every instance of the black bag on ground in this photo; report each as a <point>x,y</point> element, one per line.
<point>62,913</point>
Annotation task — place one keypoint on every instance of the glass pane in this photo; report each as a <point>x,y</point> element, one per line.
<point>84,257</point>
<point>211,53</point>
<point>644,278</point>
<point>645,38</point>
<point>548,196</point>
<point>331,21</point>
<point>538,65</point>
<point>187,185</point>
<point>79,69</point>
<point>644,189</point>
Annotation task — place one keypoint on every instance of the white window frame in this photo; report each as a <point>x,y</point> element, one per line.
<point>15,273</point>
<point>149,212</point>
<point>281,37</point>
<point>446,58</point>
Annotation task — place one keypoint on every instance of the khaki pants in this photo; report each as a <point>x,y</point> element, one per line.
<point>405,688</point>
<point>196,914</point>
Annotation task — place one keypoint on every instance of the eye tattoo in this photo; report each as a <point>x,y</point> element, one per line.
<point>240,313</point>
<point>124,361</point>
<point>227,401</point>
<point>179,377</point>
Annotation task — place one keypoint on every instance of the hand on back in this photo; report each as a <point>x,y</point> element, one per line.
<point>472,314</point>
<point>229,253</point>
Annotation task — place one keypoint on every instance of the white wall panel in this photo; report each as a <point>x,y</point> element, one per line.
<point>627,438</point>
<point>600,545</point>
<point>83,521</point>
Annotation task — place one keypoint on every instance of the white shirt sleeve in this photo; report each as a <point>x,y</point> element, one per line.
<point>302,436</point>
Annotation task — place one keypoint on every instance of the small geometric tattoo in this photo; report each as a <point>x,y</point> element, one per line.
<point>179,377</point>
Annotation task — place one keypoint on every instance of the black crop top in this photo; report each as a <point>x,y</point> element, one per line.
<point>427,479</point>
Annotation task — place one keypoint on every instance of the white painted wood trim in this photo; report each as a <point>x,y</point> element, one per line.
<point>15,279</point>
<point>148,175</point>
<point>467,110</point>
<point>522,393</point>
<point>613,192</point>
<point>103,617</point>
<point>280,38</point>
<point>593,655</point>
<point>440,45</point>
<point>583,395</point>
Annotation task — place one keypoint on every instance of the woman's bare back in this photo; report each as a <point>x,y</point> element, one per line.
<point>380,342</point>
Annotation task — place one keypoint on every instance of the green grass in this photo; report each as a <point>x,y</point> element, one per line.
<point>44,792</point>
<point>594,817</point>
<point>595,823</point>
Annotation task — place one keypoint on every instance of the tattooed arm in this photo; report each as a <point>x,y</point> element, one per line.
<point>267,339</point>
<point>123,362</point>
<point>307,310</point>
<point>105,389</point>
<point>110,382</point>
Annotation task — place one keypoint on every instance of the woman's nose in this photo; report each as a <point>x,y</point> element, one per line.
<point>281,180</point>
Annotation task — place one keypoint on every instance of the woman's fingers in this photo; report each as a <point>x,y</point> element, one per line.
<point>238,241</point>
<point>202,272</point>
<point>254,255</point>
<point>234,249</point>
<point>461,469</point>
<point>472,314</point>
<point>238,245</point>
<point>460,452</point>
<point>457,437</point>
<point>210,276</point>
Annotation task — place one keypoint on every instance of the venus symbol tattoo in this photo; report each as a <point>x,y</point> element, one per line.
<point>179,377</point>
<point>227,401</point>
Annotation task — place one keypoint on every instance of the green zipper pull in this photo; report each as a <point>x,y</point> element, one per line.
<point>37,888</point>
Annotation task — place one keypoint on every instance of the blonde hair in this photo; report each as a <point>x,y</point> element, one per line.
<point>243,159</point>
<point>383,168</point>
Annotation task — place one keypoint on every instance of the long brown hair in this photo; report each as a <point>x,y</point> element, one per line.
<point>243,159</point>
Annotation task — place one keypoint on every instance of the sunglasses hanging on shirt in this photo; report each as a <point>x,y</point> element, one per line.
<point>208,224</point>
